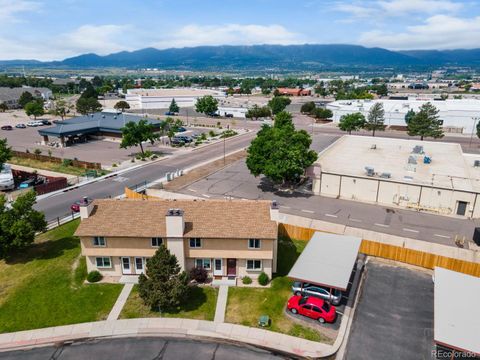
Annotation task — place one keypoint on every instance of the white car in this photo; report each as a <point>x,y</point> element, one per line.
<point>34,123</point>
<point>6,178</point>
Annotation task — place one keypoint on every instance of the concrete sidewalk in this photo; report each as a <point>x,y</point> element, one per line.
<point>171,327</point>
<point>221,304</point>
<point>120,303</point>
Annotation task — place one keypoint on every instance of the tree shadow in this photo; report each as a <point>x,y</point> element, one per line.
<point>287,256</point>
<point>195,298</point>
<point>43,251</point>
<point>266,185</point>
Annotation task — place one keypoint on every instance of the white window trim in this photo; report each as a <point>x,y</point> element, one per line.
<point>255,248</point>
<point>104,241</point>
<point>194,247</point>
<point>103,266</point>
<point>156,246</point>
<point>203,263</point>
<point>254,269</point>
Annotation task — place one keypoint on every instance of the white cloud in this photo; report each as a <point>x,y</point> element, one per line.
<point>10,8</point>
<point>438,32</point>
<point>101,39</point>
<point>229,34</point>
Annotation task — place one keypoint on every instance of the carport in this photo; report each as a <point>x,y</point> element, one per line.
<point>456,313</point>
<point>327,260</point>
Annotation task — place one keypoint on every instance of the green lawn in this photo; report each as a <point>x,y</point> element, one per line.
<point>200,305</point>
<point>246,305</point>
<point>47,165</point>
<point>43,286</point>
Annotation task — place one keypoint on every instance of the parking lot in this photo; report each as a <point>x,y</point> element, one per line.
<point>394,315</point>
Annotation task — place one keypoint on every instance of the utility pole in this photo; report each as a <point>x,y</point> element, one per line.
<point>475,119</point>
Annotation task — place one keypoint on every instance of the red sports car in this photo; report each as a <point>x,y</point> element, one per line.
<point>75,207</point>
<point>312,307</point>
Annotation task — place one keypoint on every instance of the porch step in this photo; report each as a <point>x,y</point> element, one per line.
<point>128,279</point>
<point>225,281</point>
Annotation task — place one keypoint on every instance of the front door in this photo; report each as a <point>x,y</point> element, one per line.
<point>232,267</point>
<point>217,267</point>
<point>126,266</point>
<point>462,208</point>
<point>139,265</point>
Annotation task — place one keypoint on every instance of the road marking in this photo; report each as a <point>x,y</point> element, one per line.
<point>120,179</point>
<point>355,220</point>
<point>411,230</point>
<point>207,196</point>
<point>381,225</point>
<point>193,190</point>
<point>285,207</point>
<point>442,236</point>
<point>308,211</point>
<point>331,215</point>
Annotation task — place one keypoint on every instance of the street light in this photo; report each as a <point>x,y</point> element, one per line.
<point>475,119</point>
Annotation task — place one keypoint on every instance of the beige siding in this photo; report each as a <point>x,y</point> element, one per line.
<point>359,189</point>
<point>115,270</point>
<point>398,194</point>
<point>445,201</point>
<point>330,185</point>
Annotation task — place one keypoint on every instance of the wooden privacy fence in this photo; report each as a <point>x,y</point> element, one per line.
<point>57,160</point>
<point>392,252</point>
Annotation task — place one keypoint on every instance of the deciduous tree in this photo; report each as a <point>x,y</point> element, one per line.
<point>5,152</point>
<point>308,107</point>
<point>281,153</point>
<point>278,104</point>
<point>164,286</point>
<point>134,134</point>
<point>122,105</point>
<point>256,112</point>
<point>426,123</point>
<point>88,105</point>
<point>206,105</point>
<point>62,108</point>
<point>352,122</point>
<point>34,108</point>
<point>25,98</point>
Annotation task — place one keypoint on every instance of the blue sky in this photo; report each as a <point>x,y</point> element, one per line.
<point>55,29</point>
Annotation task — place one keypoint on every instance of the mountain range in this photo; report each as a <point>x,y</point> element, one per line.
<point>264,57</point>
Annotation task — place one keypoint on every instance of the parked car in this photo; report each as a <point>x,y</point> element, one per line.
<point>229,115</point>
<point>6,178</point>
<point>334,296</point>
<point>20,126</point>
<point>170,113</point>
<point>45,122</point>
<point>181,129</point>
<point>312,307</point>
<point>34,123</point>
<point>75,207</point>
<point>27,183</point>
<point>57,121</point>
<point>183,138</point>
<point>6,127</point>
<point>213,114</point>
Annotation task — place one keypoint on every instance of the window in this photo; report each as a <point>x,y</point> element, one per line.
<point>156,241</point>
<point>254,265</point>
<point>254,243</point>
<point>195,242</point>
<point>203,263</point>
<point>98,241</point>
<point>103,262</point>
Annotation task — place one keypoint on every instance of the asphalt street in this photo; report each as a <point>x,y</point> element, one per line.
<point>143,348</point>
<point>394,315</point>
<point>59,205</point>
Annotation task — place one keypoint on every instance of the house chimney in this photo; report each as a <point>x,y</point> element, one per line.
<point>174,223</point>
<point>86,208</point>
<point>274,211</point>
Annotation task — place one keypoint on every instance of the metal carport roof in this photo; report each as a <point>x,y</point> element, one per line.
<point>457,310</point>
<point>328,260</point>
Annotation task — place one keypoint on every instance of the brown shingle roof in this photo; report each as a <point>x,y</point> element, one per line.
<point>203,218</point>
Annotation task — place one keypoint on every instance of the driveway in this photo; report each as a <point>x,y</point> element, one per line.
<point>143,348</point>
<point>394,315</point>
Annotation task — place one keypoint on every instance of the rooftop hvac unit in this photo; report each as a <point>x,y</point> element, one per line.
<point>370,170</point>
<point>476,163</point>
<point>412,160</point>
<point>418,149</point>
<point>427,159</point>
<point>385,175</point>
<point>373,147</point>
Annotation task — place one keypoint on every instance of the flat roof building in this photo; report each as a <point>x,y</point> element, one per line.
<point>458,115</point>
<point>161,98</point>
<point>422,175</point>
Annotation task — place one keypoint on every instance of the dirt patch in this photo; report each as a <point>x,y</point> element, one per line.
<point>203,171</point>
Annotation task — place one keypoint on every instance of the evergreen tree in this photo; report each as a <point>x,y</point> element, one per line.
<point>426,123</point>
<point>173,107</point>
<point>25,98</point>
<point>409,115</point>
<point>376,118</point>
<point>165,286</point>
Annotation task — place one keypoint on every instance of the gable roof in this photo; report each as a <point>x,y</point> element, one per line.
<point>203,218</point>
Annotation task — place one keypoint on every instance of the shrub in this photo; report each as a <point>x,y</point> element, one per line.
<point>263,279</point>
<point>212,133</point>
<point>199,274</point>
<point>114,165</point>
<point>147,154</point>
<point>246,280</point>
<point>67,162</point>
<point>37,152</point>
<point>27,151</point>
<point>154,157</point>
<point>94,276</point>
<point>203,136</point>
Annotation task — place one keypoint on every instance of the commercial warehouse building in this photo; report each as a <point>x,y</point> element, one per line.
<point>459,116</point>
<point>92,126</point>
<point>161,98</point>
<point>419,175</point>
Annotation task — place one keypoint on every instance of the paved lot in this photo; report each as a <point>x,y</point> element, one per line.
<point>143,348</point>
<point>394,316</point>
